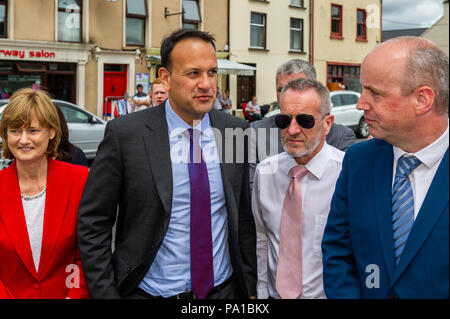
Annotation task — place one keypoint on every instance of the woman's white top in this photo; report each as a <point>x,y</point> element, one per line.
<point>34,207</point>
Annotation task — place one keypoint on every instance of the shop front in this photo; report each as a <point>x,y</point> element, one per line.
<point>57,78</point>
<point>58,68</point>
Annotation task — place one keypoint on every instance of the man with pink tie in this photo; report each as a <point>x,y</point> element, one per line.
<point>292,193</point>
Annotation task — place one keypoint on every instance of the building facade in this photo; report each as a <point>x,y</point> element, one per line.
<point>265,34</point>
<point>438,32</point>
<point>86,51</point>
<point>344,32</point>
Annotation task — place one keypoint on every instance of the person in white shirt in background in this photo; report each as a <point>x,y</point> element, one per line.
<point>304,121</point>
<point>141,100</point>
<point>159,92</point>
<point>226,102</point>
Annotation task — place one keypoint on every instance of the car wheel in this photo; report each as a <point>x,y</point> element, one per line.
<point>363,128</point>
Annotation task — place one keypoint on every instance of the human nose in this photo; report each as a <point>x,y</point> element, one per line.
<point>23,139</point>
<point>293,127</point>
<point>362,104</point>
<point>206,82</point>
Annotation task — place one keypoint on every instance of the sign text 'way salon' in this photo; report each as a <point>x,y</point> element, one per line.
<point>22,54</point>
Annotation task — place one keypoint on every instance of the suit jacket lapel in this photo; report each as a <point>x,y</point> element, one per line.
<point>157,147</point>
<point>382,190</point>
<point>433,206</point>
<point>13,217</point>
<point>59,188</point>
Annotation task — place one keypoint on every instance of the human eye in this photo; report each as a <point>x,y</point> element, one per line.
<point>192,73</point>
<point>213,72</point>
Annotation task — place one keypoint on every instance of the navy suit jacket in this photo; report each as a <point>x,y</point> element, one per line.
<point>357,246</point>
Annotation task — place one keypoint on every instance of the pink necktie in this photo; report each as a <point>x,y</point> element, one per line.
<point>289,268</point>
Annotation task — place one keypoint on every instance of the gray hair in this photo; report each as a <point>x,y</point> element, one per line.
<point>297,66</point>
<point>305,84</point>
<point>425,65</point>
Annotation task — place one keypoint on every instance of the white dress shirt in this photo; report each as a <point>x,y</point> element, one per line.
<point>270,185</point>
<point>421,178</point>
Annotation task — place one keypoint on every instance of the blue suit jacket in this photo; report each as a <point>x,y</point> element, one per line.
<point>358,245</point>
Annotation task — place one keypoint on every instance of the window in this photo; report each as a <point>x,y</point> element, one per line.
<point>258,30</point>
<point>336,21</point>
<point>3,14</point>
<point>73,115</point>
<point>191,14</point>
<point>69,20</point>
<point>296,35</point>
<point>30,67</point>
<point>349,99</point>
<point>135,22</point>
<point>297,3</point>
<point>347,75</point>
<point>336,101</point>
<point>361,28</point>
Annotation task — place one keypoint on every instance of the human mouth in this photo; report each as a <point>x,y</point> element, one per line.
<point>25,149</point>
<point>203,98</point>
<point>296,141</point>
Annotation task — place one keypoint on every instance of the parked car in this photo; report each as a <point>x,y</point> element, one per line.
<point>344,109</point>
<point>86,130</point>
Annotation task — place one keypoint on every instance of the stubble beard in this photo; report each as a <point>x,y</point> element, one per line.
<point>310,146</point>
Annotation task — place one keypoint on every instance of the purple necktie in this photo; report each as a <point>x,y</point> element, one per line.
<point>202,270</point>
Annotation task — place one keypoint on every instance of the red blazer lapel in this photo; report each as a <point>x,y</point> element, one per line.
<point>59,186</point>
<point>13,217</point>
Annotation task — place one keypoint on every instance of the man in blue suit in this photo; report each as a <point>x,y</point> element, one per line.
<point>387,231</point>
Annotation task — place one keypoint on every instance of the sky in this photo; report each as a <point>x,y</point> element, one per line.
<point>408,14</point>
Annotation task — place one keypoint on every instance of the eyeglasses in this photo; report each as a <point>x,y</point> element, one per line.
<point>304,120</point>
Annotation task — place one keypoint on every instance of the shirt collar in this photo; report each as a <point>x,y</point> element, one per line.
<point>177,125</point>
<point>316,165</point>
<point>429,155</point>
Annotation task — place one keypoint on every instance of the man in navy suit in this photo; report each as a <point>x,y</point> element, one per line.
<point>387,231</point>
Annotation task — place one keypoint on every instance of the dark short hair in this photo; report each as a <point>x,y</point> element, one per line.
<point>169,42</point>
<point>139,86</point>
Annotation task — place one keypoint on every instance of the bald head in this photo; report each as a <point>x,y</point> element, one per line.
<point>421,63</point>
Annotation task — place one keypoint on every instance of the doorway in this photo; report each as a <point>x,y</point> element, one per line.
<point>114,84</point>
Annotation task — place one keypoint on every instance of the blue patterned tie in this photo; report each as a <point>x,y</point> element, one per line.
<point>402,203</point>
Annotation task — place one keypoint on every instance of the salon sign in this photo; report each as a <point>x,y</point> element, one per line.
<point>26,54</point>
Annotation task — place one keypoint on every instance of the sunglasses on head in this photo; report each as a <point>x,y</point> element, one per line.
<point>304,120</point>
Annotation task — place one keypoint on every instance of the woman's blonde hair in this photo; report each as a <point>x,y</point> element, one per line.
<point>19,113</point>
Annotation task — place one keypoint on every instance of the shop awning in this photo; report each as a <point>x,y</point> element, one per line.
<point>225,66</point>
<point>231,67</point>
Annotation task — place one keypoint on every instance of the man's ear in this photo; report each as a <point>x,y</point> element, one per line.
<point>329,120</point>
<point>424,97</point>
<point>164,75</point>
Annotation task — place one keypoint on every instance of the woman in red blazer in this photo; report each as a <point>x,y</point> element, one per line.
<point>39,200</point>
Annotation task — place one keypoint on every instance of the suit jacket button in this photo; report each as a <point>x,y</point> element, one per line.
<point>128,269</point>
<point>36,286</point>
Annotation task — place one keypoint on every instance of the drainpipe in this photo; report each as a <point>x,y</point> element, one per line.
<point>381,21</point>
<point>228,26</point>
<point>311,40</point>
<point>228,41</point>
